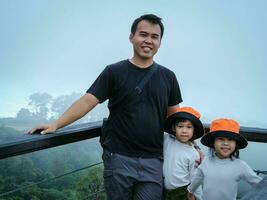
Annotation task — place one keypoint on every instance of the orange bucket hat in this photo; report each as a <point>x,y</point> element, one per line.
<point>188,113</point>
<point>224,128</point>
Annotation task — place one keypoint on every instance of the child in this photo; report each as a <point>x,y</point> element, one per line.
<point>180,155</point>
<point>219,174</point>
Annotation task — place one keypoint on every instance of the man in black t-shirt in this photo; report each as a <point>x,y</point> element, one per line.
<point>132,137</point>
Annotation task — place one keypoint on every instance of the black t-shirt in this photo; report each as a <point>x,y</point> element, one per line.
<point>135,127</point>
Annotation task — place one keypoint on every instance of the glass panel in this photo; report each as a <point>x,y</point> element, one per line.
<point>255,156</point>
<point>72,171</point>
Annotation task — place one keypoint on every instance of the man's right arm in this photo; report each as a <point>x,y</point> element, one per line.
<point>76,111</point>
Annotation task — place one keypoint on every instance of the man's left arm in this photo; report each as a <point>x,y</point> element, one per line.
<point>172,109</point>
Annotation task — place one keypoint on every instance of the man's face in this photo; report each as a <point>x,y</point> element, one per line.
<point>146,40</point>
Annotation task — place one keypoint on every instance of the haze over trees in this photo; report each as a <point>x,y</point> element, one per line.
<point>44,108</point>
<point>24,170</point>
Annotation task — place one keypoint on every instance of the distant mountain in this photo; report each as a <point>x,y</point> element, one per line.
<point>7,133</point>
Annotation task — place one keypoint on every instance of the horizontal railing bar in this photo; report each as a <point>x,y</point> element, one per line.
<point>74,133</point>
<point>29,143</point>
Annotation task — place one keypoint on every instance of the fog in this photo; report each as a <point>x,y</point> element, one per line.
<point>217,49</point>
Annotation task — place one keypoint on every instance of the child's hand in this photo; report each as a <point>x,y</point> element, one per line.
<point>190,196</point>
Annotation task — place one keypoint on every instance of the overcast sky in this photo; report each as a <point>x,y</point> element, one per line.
<point>217,49</point>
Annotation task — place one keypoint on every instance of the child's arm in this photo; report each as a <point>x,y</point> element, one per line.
<point>192,171</point>
<point>196,181</point>
<point>249,175</point>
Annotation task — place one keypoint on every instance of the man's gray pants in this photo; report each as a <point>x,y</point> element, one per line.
<point>132,178</point>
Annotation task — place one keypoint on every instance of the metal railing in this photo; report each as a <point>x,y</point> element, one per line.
<point>26,143</point>
<point>29,143</point>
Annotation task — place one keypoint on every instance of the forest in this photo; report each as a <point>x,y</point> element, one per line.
<point>25,170</point>
<point>66,172</point>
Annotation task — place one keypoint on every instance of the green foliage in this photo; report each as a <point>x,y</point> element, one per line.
<point>53,194</point>
<point>13,198</point>
<point>91,185</point>
<point>19,171</point>
<point>33,192</point>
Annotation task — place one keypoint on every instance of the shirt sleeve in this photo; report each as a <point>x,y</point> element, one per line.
<point>165,139</point>
<point>249,175</point>
<point>192,170</point>
<point>101,88</point>
<point>196,180</point>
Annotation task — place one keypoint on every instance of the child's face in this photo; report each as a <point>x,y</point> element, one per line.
<point>184,131</point>
<point>224,147</point>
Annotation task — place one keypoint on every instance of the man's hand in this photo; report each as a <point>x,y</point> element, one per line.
<point>43,129</point>
<point>77,110</point>
<point>190,196</point>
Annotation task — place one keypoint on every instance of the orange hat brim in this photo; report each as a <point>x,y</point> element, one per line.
<point>209,138</point>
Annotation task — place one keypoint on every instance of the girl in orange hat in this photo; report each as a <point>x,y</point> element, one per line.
<point>183,126</point>
<point>220,172</point>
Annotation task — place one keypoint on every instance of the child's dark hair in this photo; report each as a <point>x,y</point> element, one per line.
<point>183,120</point>
<point>150,18</point>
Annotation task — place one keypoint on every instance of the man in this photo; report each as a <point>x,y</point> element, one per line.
<point>132,137</point>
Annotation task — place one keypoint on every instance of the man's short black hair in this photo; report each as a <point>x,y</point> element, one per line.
<point>150,18</point>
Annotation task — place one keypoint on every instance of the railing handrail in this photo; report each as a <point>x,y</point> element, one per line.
<point>74,133</point>
<point>27,143</point>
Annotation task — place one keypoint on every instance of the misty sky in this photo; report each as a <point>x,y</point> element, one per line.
<point>217,49</point>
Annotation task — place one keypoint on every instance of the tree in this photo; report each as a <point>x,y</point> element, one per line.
<point>24,114</point>
<point>61,103</point>
<point>91,186</point>
<point>53,194</point>
<point>39,103</point>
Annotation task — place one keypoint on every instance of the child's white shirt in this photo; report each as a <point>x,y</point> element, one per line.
<point>179,163</point>
<point>220,177</point>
